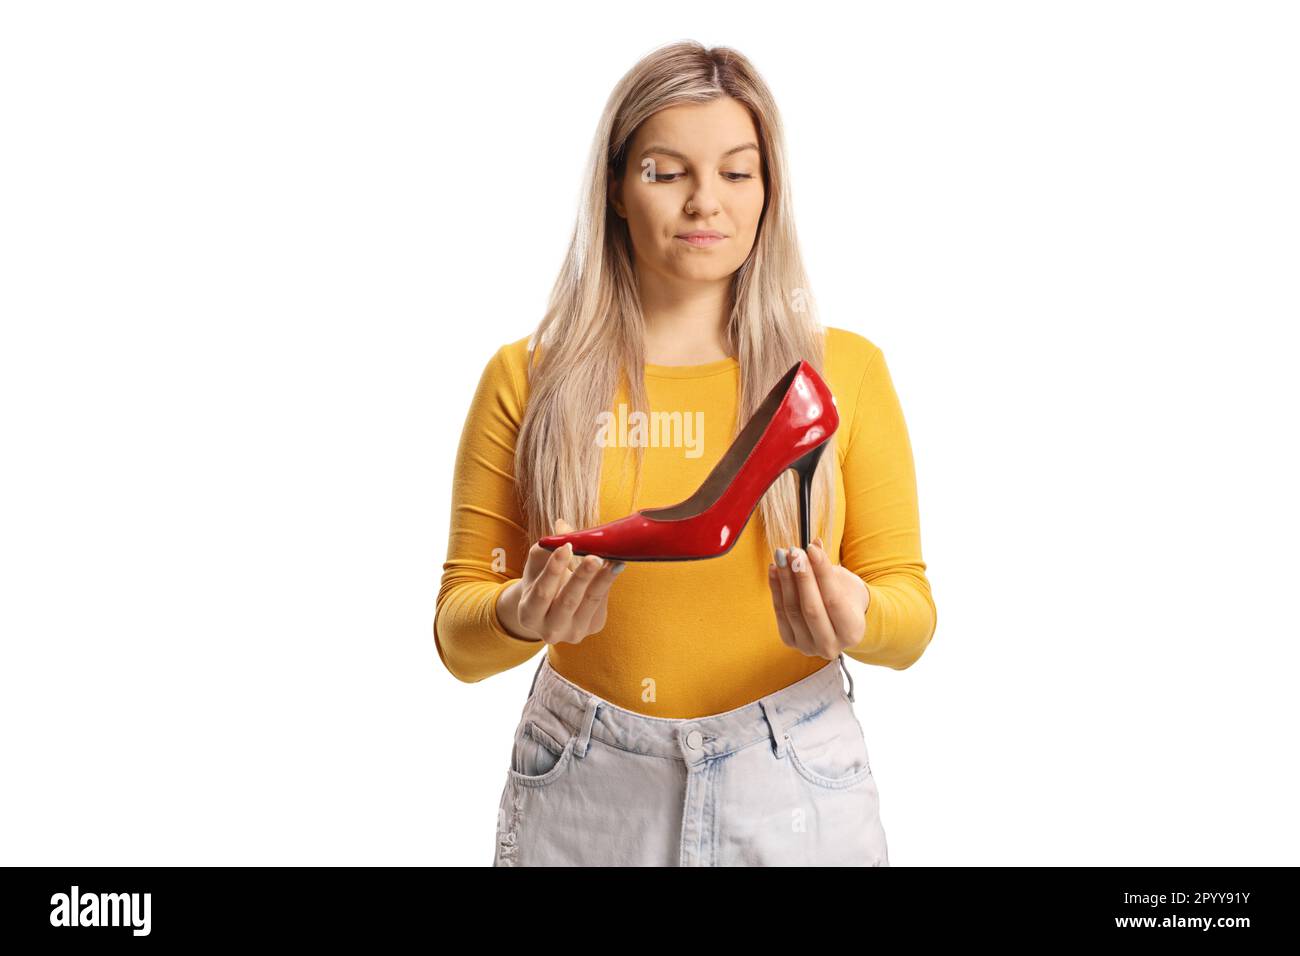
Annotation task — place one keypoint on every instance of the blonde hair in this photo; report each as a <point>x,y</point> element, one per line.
<point>591,337</point>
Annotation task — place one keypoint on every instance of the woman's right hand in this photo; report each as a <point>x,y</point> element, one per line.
<point>559,600</point>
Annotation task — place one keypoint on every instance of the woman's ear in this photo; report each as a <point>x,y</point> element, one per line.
<point>616,194</point>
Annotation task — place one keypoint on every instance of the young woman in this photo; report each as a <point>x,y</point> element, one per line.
<point>684,712</point>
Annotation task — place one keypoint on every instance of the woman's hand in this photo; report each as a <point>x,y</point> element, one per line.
<point>821,607</point>
<point>560,599</point>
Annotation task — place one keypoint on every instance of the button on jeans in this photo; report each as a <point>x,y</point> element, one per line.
<point>782,781</point>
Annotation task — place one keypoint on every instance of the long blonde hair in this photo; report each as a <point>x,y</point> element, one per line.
<point>591,338</point>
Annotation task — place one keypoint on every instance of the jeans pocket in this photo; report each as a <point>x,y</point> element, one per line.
<point>539,757</point>
<point>828,748</point>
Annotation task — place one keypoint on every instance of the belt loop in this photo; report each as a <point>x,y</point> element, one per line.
<point>774,721</point>
<point>584,732</point>
<point>844,664</point>
<point>536,674</point>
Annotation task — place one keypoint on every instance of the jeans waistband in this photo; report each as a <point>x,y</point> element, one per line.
<point>692,739</point>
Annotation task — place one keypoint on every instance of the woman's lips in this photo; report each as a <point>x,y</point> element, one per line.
<point>701,240</point>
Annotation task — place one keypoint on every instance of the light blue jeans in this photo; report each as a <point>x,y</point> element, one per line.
<point>782,781</point>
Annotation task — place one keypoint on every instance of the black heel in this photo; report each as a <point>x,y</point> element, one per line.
<point>804,468</point>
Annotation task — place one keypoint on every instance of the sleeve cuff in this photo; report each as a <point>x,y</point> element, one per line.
<point>869,636</point>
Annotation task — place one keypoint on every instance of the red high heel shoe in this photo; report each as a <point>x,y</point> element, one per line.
<point>790,429</point>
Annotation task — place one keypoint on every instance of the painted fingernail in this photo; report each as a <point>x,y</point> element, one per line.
<point>780,557</point>
<point>799,560</point>
<point>618,568</point>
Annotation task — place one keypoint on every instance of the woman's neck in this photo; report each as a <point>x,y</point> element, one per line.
<point>686,325</point>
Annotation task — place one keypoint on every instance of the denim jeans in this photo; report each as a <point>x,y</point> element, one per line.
<point>782,781</point>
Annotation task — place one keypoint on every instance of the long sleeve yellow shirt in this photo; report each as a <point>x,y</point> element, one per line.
<point>685,639</point>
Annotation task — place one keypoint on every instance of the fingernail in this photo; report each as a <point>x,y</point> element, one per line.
<point>618,568</point>
<point>780,557</point>
<point>798,559</point>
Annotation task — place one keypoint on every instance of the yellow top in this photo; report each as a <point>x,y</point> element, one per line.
<point>686,639</point>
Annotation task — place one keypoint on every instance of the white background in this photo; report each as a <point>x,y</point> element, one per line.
<point>256,255</point>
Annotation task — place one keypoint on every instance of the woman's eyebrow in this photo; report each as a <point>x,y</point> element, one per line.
<point>666,151</point>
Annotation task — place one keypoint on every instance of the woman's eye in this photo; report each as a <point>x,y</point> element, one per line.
<point>672,177</point>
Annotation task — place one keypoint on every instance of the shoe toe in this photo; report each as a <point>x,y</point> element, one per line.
<point>587,541</point>
<point>581,540</point>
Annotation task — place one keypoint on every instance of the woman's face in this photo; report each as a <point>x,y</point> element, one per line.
<point>690,168</point>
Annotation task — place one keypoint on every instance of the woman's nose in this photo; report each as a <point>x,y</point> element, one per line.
<point>702,203</point>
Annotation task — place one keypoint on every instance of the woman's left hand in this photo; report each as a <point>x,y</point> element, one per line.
<point>821,607</point>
